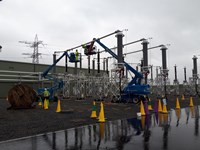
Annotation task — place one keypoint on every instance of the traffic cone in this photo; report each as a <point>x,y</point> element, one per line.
<point>191,102</point>
<point>101,114</point>
<point>149,105</point>
<point>45,104</point>
<point>177,103</point>
<point>94,111</point>
<point>58,107</point>
<point>40,104</point>
<point>142,109</point>
<point>164,109</point>
<point>182,97</point>
<point>159,106</point>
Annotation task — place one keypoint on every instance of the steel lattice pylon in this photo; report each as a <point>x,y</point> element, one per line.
<point>35,45</point>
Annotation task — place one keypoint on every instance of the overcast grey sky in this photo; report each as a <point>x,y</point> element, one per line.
<point>62,24</point>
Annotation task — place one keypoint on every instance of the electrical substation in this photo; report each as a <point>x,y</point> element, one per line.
<point>136,107</point>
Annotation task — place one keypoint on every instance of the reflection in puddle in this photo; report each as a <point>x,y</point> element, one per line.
<point>179,129</point>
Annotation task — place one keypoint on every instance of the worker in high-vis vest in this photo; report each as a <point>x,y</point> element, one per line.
<point>46,94</point>
<point>76,54</point>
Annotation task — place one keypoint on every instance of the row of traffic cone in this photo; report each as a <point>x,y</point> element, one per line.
<point>46,105</point>
<point>101,117</point>
<point>144,110</point>
<point>178,104</point>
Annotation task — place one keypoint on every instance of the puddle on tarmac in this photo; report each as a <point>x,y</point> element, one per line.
<point>179,129</point>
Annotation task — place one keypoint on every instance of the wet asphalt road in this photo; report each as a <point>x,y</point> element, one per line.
<point>28,122</point>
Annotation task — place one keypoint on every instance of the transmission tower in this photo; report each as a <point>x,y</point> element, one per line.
<point>35,45</point>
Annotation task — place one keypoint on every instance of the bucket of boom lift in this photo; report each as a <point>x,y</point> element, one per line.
<point>89,49</point>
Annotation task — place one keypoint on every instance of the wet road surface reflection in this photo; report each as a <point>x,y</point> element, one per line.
<point>179,129</point>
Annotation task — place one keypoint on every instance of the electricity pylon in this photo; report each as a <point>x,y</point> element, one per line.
<point>35,45</point>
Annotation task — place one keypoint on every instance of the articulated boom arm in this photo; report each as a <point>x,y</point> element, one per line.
<point>138,76</point>
<point>58,83</point>
<point>44,74</point>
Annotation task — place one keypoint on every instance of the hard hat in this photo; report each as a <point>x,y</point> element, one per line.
<point>45,89</point>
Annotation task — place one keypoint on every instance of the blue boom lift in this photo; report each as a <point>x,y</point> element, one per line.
<point>134,90</point>
<point>58,83</point>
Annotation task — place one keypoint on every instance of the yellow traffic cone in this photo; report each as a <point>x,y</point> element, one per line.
<point>177,103</point>
<point>183,97</point>
<point>45,104</point>
<point>142,109</point>
<point>58,107</point>
<point>40,104</point>
<point>149,105</point>
<point>101,114</point>
<point>164,109</point>
<point>191,102</point>
<point>159,106</point>
<point>94,111</point>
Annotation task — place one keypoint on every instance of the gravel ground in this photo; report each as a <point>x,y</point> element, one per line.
<point>27,122</point>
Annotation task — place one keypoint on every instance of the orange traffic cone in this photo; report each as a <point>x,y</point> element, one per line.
<point>58,107</point>
<point>177,103</point>
<point>142,109</point>
<point>94,111</point>
<point>191,102</point>
<point>45,104</point>
<point>101,114</point>
<point>159,106</point>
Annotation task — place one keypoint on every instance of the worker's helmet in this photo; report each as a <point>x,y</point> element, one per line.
<point>45,89</point>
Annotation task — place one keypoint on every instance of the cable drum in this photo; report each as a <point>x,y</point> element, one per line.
<point>21,96</point>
